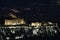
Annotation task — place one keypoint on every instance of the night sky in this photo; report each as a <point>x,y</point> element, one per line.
<point>39,9</point>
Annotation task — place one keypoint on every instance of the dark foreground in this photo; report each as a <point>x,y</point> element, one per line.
<point>29,34</point>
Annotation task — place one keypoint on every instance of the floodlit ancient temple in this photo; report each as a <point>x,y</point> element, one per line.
<point>14,21</point>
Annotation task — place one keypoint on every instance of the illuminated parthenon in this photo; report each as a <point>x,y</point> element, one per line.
<point>14,21</point>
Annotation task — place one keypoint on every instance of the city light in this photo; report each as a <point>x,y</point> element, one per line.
<point>50,23</point>
<point>7,38</point>
<point>36,24</point>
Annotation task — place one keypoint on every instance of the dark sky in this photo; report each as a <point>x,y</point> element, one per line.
<point>48,9</point>
<point>43,5</point>
<point>22,3</point>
